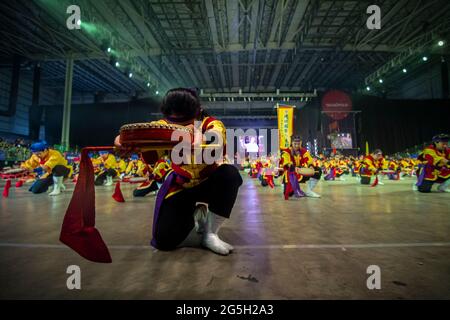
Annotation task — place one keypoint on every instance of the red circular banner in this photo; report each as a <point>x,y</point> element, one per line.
<point>336,104</point>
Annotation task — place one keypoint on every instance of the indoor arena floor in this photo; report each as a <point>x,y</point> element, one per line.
<point>298,249</point>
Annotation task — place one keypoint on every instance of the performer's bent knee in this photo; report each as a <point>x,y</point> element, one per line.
<point>230,174</point>
<point>40,187</point>
<point>60,171</point>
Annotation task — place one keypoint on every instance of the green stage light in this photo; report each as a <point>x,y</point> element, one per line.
<point>117,64</point>
<point>404,70</point>
<point>368,88</point>
<point>380,80</point>
<point>441,43</point>
<point>425,58</point>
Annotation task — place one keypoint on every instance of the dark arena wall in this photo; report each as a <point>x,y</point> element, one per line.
<point>97,123</point>
<point>389,124</point>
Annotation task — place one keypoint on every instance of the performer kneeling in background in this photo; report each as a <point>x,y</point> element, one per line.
<point>434,167</point>
<point>370,166</point>
<point>108,164</point>
<point>50,165</point>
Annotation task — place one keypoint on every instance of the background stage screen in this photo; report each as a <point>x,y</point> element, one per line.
<point>341,140</point>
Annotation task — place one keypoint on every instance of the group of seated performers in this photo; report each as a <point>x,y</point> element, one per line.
<point>430,167</point>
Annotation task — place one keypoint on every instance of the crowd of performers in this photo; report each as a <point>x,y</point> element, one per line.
<point>294,168</point>
<point>290,168</point>
<point>49,167</point>
<point>194,200</point>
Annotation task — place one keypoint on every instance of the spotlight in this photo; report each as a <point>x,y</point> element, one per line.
<point>117,64</point>
<point>156,92</point>
<point>109,49</point>
<point>368,88</point>
<point>404,70</point>
<point>130,75</point>
<point>148,84</point>
<point>380,80</point>
<point>79,22</point>
<point>425,58</point>
<point>441,43</point>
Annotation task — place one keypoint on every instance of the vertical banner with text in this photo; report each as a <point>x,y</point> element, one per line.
<point>285,124</point>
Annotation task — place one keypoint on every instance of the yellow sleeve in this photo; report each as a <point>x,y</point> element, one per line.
<point>161,166</point>
<point>141,168</point>
<point>110,162</point>
<point>121,166</point>
<point>31,163</point>
<point>129,167</point>
<point>55,158</point>
<point>285,159</point>
<point>436,158</point>
<point>370,165</point>
<point>218,127</point>
<point>309,160</point>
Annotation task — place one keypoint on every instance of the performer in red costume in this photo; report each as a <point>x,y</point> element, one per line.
<point>434,165</point>
<point>298,157</point>
<point>370,166</point>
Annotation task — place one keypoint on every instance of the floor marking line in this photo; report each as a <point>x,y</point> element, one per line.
<point>282,246</point>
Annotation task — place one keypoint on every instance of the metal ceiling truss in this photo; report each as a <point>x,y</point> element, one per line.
<point>220,45</point>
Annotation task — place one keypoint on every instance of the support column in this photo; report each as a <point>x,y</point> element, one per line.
<point>65,134</point>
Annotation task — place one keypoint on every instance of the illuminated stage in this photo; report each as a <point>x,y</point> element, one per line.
<point>303,248</point>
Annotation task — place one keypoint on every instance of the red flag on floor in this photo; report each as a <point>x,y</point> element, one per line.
<point>6,188</point>
<point>117,195</point>
<point>19,183</point>
<point>78,229</point>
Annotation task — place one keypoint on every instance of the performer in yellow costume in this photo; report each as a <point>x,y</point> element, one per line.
<point>50,166</point>
<point>108,168</point>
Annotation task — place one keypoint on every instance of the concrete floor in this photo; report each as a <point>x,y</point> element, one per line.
<point>298,249</point>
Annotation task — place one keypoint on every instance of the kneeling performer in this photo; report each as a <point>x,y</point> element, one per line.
<point>216,185</point>
<point>51,164</point>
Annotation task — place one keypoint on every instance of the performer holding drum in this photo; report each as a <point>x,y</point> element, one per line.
<point>216,185</point>
<point>298,166</point>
